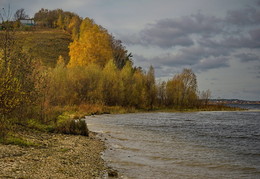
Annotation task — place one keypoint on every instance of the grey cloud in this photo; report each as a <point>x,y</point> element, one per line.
<point>255,34</point>
<point>167,33</point>
<point>212,63</point>
<point>179,59</point>
<point>165,38</point>
<point>140,58</point>
<point>187,30</point>
<point>240,42</point>
<point>247,57</point>
<point>186,56</point>
<point>143,62</point>
<point>212,79</point>
<point>205,42</point>
<point>33,6</point>
<point>166,72</point>
<point>244,17</point>
<point>257,71</point>
<point>199,58</point>
<point>131,39</point>
<point>236,41</point>
<point>186,25</point>
<point>200,52</point>
<point>253,90</point>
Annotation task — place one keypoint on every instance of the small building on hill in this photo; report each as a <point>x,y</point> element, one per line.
<point>27,22</point>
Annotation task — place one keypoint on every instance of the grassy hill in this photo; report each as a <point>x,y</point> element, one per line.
<point>46,45</point>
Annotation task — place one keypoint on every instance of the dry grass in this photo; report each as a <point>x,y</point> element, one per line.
<point>39,44</point>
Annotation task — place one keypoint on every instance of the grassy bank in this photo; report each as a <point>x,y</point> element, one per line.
<point>68,119</point>
<point>60,148</point>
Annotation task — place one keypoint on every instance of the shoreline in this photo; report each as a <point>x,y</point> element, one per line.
<point>145,146</point>
<point>54,156</point>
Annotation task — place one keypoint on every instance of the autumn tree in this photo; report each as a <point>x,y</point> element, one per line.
<point>58,78</point>
<point>17,83</point>
<point>94,78</point>
<point>46,18</point>
<point>189,94</point>
<point>112,85</point>
<point>174,92</point>
<point>20,14</point>
<point>10,92</point>
<point>120,54</point>
<point>138,89</point>
<point>93,46</point>
<point>60,22</point>
<point>205,96</point>
<point>161,93</point>
<point>149,91</point>
<point>74,26</point>
<point>85,84</point>
<point>54,18</point>
<point>128,84</point>
<point>182,89</point>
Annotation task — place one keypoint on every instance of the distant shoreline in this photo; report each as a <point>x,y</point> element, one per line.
<point>232,101</point>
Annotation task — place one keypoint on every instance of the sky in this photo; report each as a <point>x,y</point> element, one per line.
<point>218,39</point>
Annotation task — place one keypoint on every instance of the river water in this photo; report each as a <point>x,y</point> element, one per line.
<point>181,145</point>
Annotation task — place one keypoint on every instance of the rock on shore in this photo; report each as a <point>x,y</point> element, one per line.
<point>56,156</point>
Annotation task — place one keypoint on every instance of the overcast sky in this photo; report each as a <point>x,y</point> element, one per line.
<point>218,39</point>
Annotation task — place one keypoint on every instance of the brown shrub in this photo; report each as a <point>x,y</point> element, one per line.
<point>72,126</point>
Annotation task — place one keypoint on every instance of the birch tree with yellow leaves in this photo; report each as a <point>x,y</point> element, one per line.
<point>93,46</point>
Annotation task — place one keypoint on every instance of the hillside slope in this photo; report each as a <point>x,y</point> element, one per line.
<point>45,45</point>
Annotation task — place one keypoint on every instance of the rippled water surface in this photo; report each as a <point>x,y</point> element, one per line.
<point>182,145</point>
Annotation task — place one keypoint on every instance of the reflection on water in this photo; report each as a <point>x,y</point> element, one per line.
<point>182,145</point>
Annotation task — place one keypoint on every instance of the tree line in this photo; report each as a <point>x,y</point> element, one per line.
<point>100,72</point>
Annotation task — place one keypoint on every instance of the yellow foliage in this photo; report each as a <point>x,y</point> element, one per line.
<point>182,89</point>
<point>93,46</point>
<point>11,95</point>
<point>112,85</point>
<point>61,61</point>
